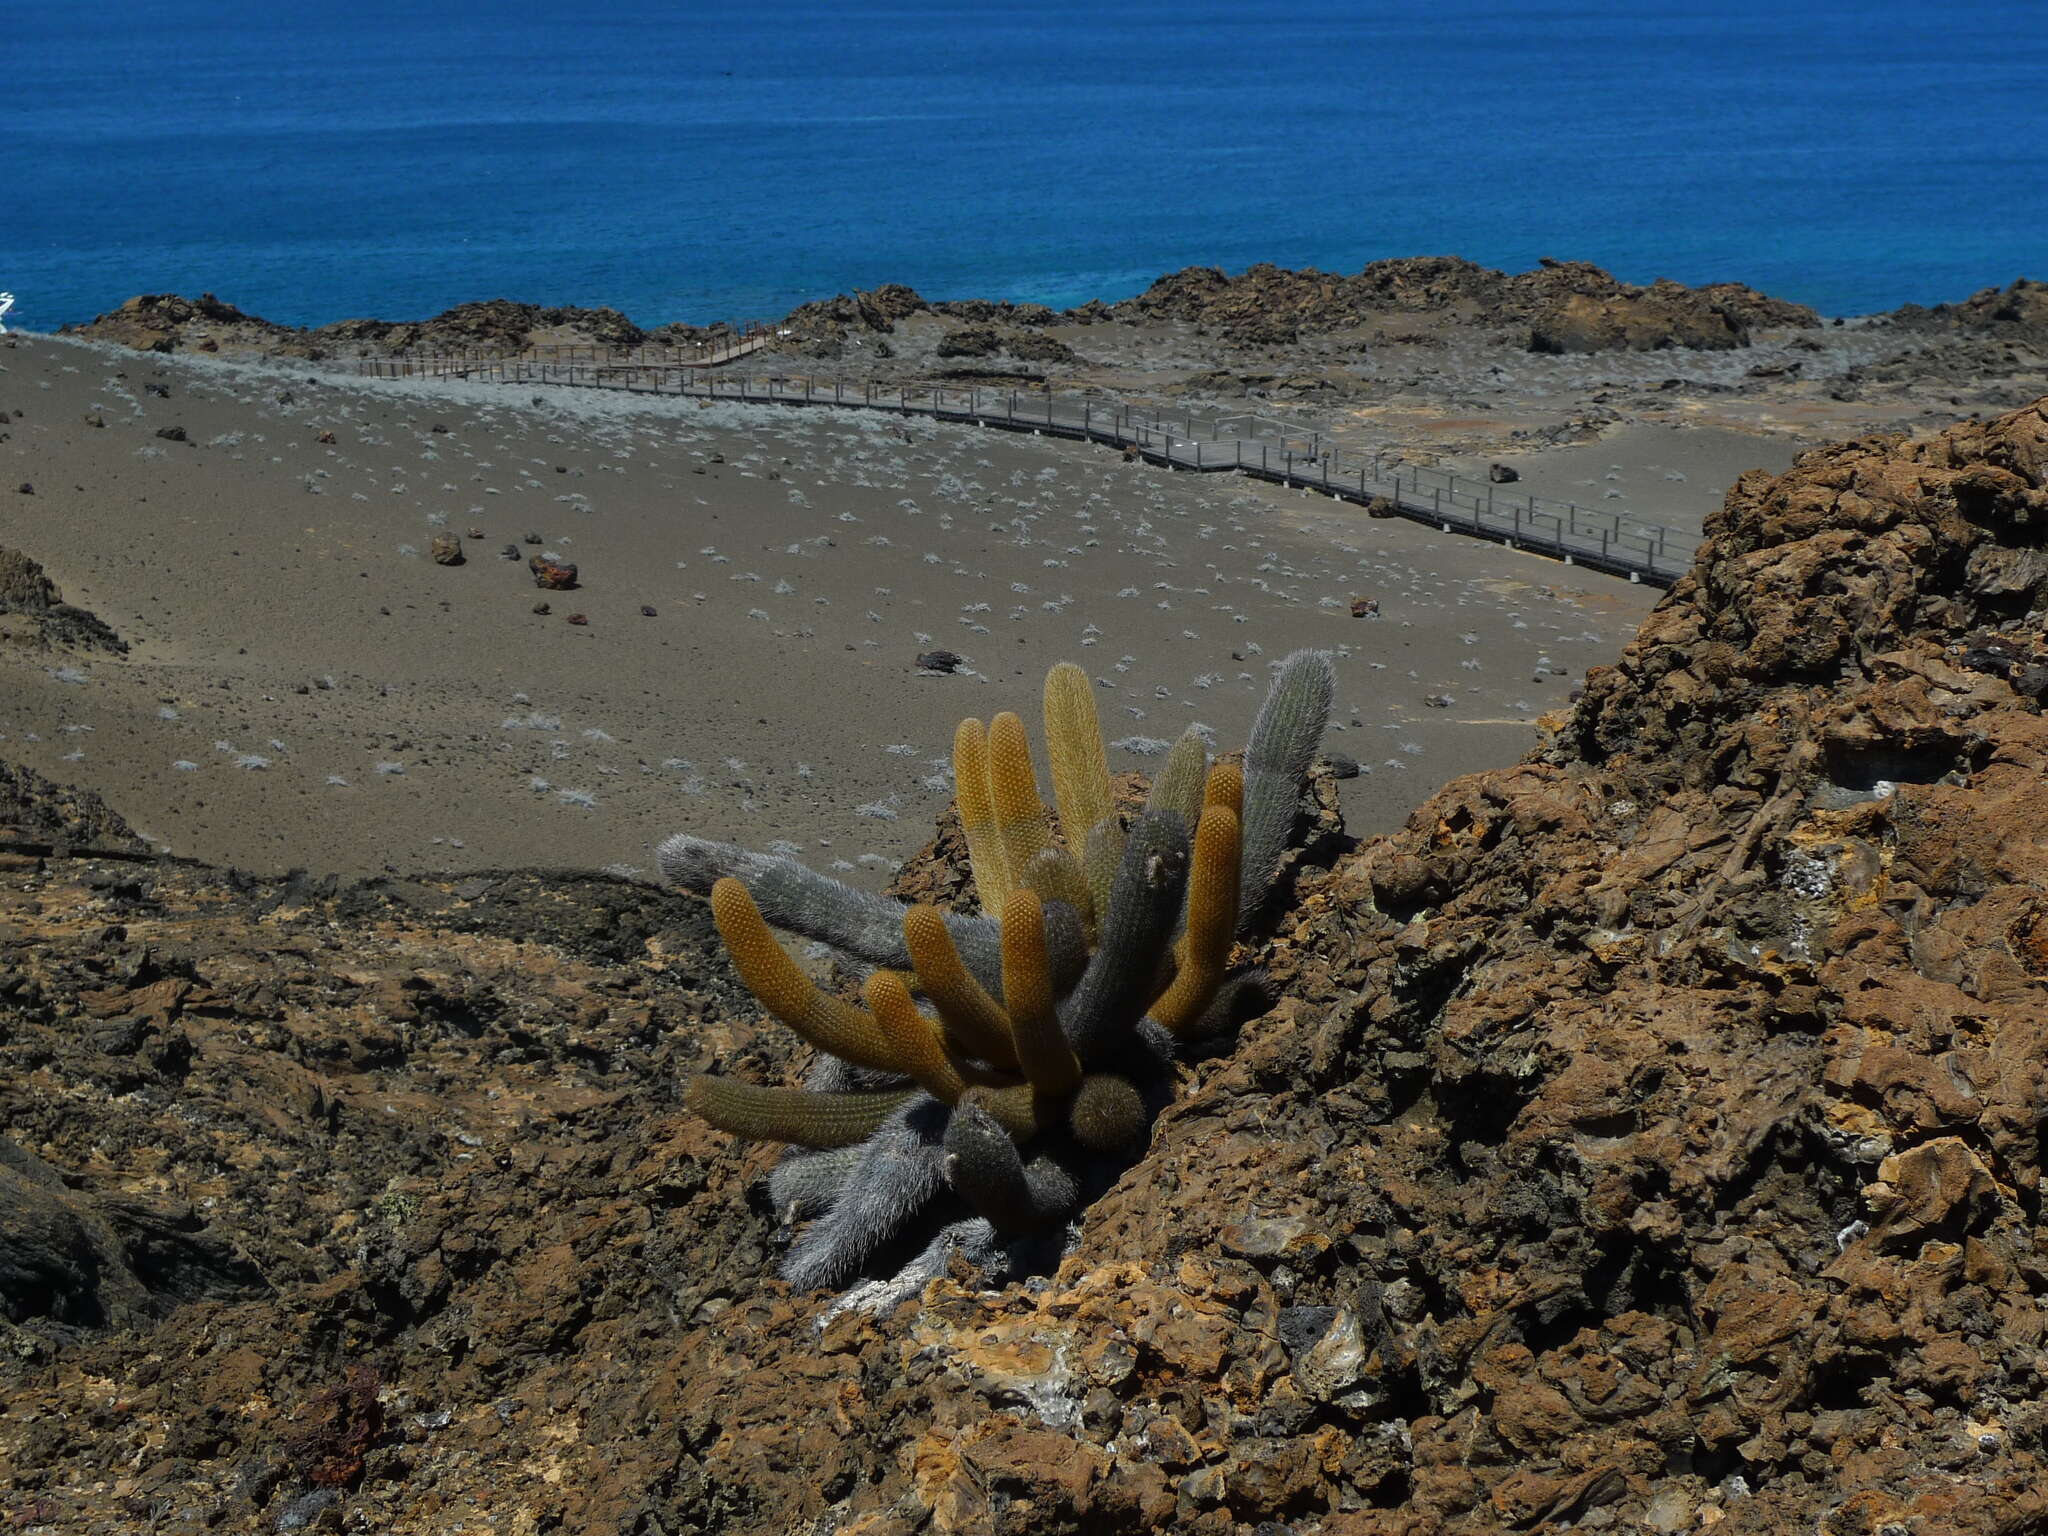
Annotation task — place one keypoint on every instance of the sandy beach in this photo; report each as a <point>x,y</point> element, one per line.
<point>306,687</point>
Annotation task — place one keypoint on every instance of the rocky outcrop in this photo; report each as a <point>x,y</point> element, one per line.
<point>35,810</point>
<point>993,312</point>
<point>33,612</point>
<point>989,340</point>
<point>1661,316</point>
<point>2018,312</point>
<point>872,311</point>
<point>1268,305</point>
<point>492,325</point>
<point>167,322</point>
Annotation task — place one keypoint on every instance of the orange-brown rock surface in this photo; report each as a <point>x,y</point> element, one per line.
<point>1649,1137</point>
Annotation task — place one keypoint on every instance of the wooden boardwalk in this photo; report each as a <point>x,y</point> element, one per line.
<point>1604,541</point>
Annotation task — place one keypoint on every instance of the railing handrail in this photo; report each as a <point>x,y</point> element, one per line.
<point>1178,440</point>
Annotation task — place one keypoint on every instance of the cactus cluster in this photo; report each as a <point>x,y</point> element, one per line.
<point>1049,1025</point>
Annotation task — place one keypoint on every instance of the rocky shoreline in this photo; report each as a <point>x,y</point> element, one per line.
<point>1649,1137</point>
<point>1451,356</point>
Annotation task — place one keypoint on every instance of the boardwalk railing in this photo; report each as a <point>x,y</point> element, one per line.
<point>1294,456</point>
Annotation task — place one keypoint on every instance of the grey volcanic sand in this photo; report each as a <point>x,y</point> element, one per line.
<point>1657,474</point>
<point>307,688</point>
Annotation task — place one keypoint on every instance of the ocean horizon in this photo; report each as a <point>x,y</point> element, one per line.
<point>698,166</point>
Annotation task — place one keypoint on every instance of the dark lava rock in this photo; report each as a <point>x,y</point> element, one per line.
<point>938,661</point>
<point>53,623</point>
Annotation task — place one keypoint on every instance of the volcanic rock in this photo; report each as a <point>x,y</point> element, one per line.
<point>554,575</point>
<point>1660,316</point>
<point>32,609</point>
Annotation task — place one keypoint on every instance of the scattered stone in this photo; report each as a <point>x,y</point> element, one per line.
<point>531,538</point>
<point>543,609</point>
<point>577,618</point>
<point>647,611</point>
<point>438,430</point>
<point>325,437</point>
<point>938,662</point>
<point>171,434</point>
<point>26,488</point>
<point>446,549</point>
<point>1365,607</point>
<point>510,552</point>
<point>1503,474</point>
<point>555,575</point>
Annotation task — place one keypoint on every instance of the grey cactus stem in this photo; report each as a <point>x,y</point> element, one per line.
<point>799,900</point>
<point>1109,1000</point>
<point>901,1168</point>
<point>1284,740</point>
<point>984,1166</point>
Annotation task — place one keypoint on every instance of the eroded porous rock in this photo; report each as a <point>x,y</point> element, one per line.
<point>1648,1137</point>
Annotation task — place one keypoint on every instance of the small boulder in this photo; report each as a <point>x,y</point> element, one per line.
<point>171,434</point>
<point>1365,607</point>
<point>554,575</point>
<point>646,610</point>
<point>446,549</point>
<point>543,609</point>
<point>941,662</point>
<point>1503,474</point>
<point>510,552</point>
<point>577,618</point>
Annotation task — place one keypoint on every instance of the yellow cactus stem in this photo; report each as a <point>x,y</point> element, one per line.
<point>1226,788</point>
<point>1073,745</point>
<point>985,856</point>
<point>1108,1113</point>
<point>793,1115</point>
<point>1102,852</point>
<point>1178,788</point>
<point>1056,876</point>
<point>1047,1060</point>
<point>974,1018</point>
<point>1204,951</point>
<point>784,990</point>
<point>913,1039</point>
<point>1020,1109</point>
<point>1013,794</point>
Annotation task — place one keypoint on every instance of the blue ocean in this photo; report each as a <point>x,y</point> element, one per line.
<point>696,162</point>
